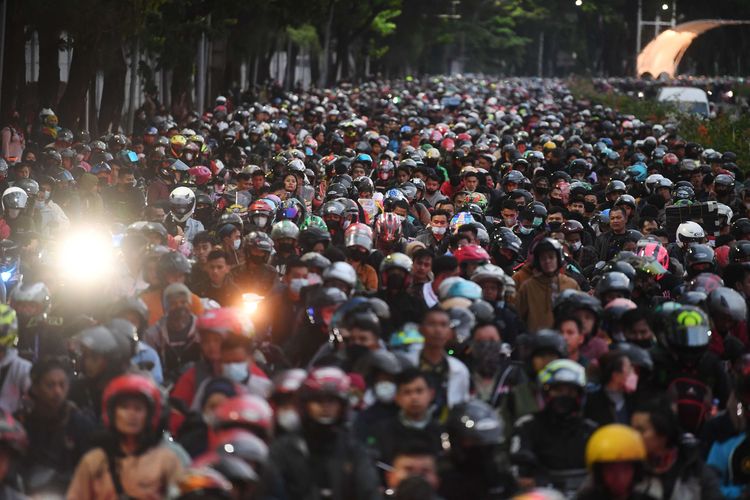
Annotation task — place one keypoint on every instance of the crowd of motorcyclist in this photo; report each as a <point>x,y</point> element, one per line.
<point>454,288</point>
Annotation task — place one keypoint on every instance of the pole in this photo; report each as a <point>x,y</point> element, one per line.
<point>133,83</point>
<point>3,13</point>
<point>323,77</point>
<point>540,56</point>
<point>200,91</point>
<point>674,13</point>
<point>638,32</point>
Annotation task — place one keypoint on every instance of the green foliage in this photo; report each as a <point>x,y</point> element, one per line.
<point>304,36</point>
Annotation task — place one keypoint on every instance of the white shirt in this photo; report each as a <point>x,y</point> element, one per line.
<point>429,295</point>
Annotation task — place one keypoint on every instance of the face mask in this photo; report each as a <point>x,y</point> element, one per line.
<point>385,392</point>
<point>47,195</point>
<point>297,284</point>
<point>644,343</point>
<point>438,230</point>
<point>38,204</point>
<point>631,383</point>
<point>236,244</point>
<point>261,220</point>
<point>288,420</point>
<point>401,218</point>
<point>576,245</point>
<point>541,190</point>
<point>356,255</point>
<point>563,405</point>
<point>236,372</point>
<point>486,356</point>
<point>355,351</point>
<point>525,230</point>
<point>286,248</point>
<point>509,221</point>
<point>537,222</point>
<point>325,420</point>
<point>588,207</point>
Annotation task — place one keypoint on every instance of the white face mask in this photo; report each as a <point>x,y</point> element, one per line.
<point>576,245</point>
<point>297,284</point>
<point>237,244</point>
<point>438,230</point>
<point>237,372</point>
<point>385,391</point>
<point>288,420</point>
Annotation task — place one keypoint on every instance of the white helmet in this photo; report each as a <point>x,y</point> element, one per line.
<point>724,211</point>
<point>652,180</point>
<point>690,232</point>
<point>13,201</point>
<point>341,271</point>
<point>182,203</point>
<point>489,272</point>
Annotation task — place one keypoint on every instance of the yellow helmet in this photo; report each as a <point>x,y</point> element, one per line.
<point>178,140</point>
<point>549,145</point>
<point>615,443</point>
<point>8,326</point>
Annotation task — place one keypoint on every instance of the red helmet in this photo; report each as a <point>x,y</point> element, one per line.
<point>463,137</point>
<point>223,321</point>
<point>670,160</point>
<point>12,433</point>
<point>471,253</point>
<point>247,411</point>
<point>448,144</point>
<point>201,174</point>
<point>657,251</point>
<point>131,384</point>
<point>289,381</point>
<point>388,227</point>
<point>326,380</point>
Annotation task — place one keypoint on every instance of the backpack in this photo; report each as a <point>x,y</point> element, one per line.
<point>693,399</point>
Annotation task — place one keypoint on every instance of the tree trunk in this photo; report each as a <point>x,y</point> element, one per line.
<point>14,64</point>
<point>49,66</point>
<point>113,90</point>
<point>82,71</point>
<point>314,68</point>
<point>182,76</point>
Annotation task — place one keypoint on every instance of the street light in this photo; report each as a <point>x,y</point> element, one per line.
<point>664,6</point>
<point>579,3</point>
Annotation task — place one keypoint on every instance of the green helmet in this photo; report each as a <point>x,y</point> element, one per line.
<point>562,371</point>
<point>688,327</point>
<point>313,221</point>
<point>284,229</point>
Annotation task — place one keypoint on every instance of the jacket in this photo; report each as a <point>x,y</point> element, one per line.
<point>535,298</point>
<point>16,380</point>
<point>459,381</point>
<point>145,476</point>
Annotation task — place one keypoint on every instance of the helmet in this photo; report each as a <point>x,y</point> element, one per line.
<point>740,252</point>
<point>548,244</point>
<point>615,187</point>
<point>535,212</point>
<point>572,227</point>
<point>36,292</point>
<point>388,228</point>
<point>248,412</point>
<point>260,213</point>
<point>562,371</point>
<point>29,185</point>
<point>132,384</point>
<point>172,263</point>
<point>706,283</point>
<point>14,199</point>
<point>204,482</point>
<point>740,227</point>
<point>471,254</point>
<point>223,321</point>
<point>615,443</point>
<point>546,340</point>
<point>504,238</point>
<point>614,281</point>
<point>489,272</point>
<point>690,232</point>
<point>699,254</point>
<point>313,221</point>
<point>460,219</point>
<point>688,327</point>
<point>459,287</point>
<point>182,203</point>
<point>292,210</point>
<point>626,199</point>
<point>474,423</point>
<point>8,326</point>
<point>341,271</point>
<point>284,229</point>
<point>315,260</point>
<point>396,260</point>
<point>358,235</point>
<point>728,302</point>
<point>259,240</point>
<point>569,301</point>
<point>244,445</point>
<point>326,381</point>
<point>289,381</point>
<point>653,249</point>
<point>201,174</point>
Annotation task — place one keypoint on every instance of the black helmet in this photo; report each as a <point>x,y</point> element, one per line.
<point>614,282</point>
<point>740,228</point>
<point>699,255</point>
<point>620,266</point>
<point>473,424</point>
<point>545,245</point>
<point>547,341</point>
<point>688,327</point>
<point>569,301</point>
<point>172,263</point>
<point>615,187</point>
<point>535,212</point>
<point>740,252</point>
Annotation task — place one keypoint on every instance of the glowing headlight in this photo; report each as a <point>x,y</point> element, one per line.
<point>5,275</point>
<point>250,302</point>
<point>86,256</point>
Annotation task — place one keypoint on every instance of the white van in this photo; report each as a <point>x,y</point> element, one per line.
<point>687,99</point>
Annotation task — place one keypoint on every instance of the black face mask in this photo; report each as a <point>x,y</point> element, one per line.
<point>356,255</point>
<point>486,356</point>
<point>589,207</point>
<point>396,281</point>
<point>287,248</point>
<point>354,352</point>
<point>541,191</point>
<point>563,406</point>
<point>644,343</point>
